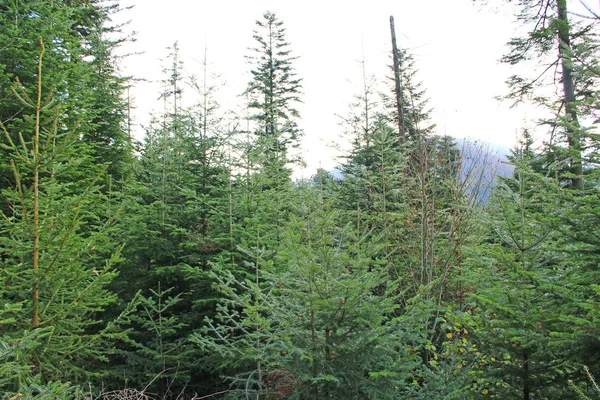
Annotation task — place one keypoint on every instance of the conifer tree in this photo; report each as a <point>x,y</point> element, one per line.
<point>55,269</point>
<point>558,39</point>
<point>313,323</point>
<point>81,71</point>
<point>273,92</point>
<point>408,109</point>
<point>265,188</point>
<point>180,225</point>
<point>373,170</point>
<point>526,294</point>
<point>564,39</point>
<point>410,195</point>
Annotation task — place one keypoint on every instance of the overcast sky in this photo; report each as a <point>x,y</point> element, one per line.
<point>457,45</point>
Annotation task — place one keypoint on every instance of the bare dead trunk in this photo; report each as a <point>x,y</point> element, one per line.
<point>398,83</point>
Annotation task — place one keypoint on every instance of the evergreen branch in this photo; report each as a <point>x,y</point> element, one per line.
<point>106,331</point>
<point>591,377</point>
<point>20,192</point>
<point>50,136</point>
<point>67,308</point>
<point>12,144</point>
<point>73,223</point>
<point>25,97</point>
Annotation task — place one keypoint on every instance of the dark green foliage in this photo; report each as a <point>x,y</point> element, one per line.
<point>57,262</point>
<point>80,72</point>
<point>156,353</point>
<point>310,324</point>
<point>412,198</point>
<point>178,222</point>
<point>529,287</point>
<point>593,390</point>
<point>200,268</point>
<point>414,118</point>
<point>272,94</point>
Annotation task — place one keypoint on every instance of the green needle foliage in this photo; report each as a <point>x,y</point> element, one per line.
<point>273,92</point>
<point>80,69</point>
<point>178,221</point>
<point>526,293</point>
<point>56,259</point>
<point>592,381</point>
<point>312,323</point>
<point>199,268</point>
<point>155,353</point>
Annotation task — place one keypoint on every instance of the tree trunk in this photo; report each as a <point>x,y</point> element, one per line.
<point>35,323</point>
<point>398,83</point>
<point>565,54</point>
<point>526,383</point>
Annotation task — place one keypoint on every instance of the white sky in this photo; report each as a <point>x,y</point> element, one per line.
<point>457,46</point>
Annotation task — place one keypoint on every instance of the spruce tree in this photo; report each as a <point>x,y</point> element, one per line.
<point>273,93</point>
<point>560,39</point>
<point>525,297</point>
<point>410,195</point>
<point>264,200</point>
<point>81,71</point>
<point>179,225</point>
<point>313,324</point>
<point>408,109</point>
<point>58,259</point>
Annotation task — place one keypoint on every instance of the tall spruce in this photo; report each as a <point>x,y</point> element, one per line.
<point>180,227</point>
<point>274,92</point>
<point>409,195</point>
<point>407,102</point>
<point>315,327</point>
<point>560,37</point>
